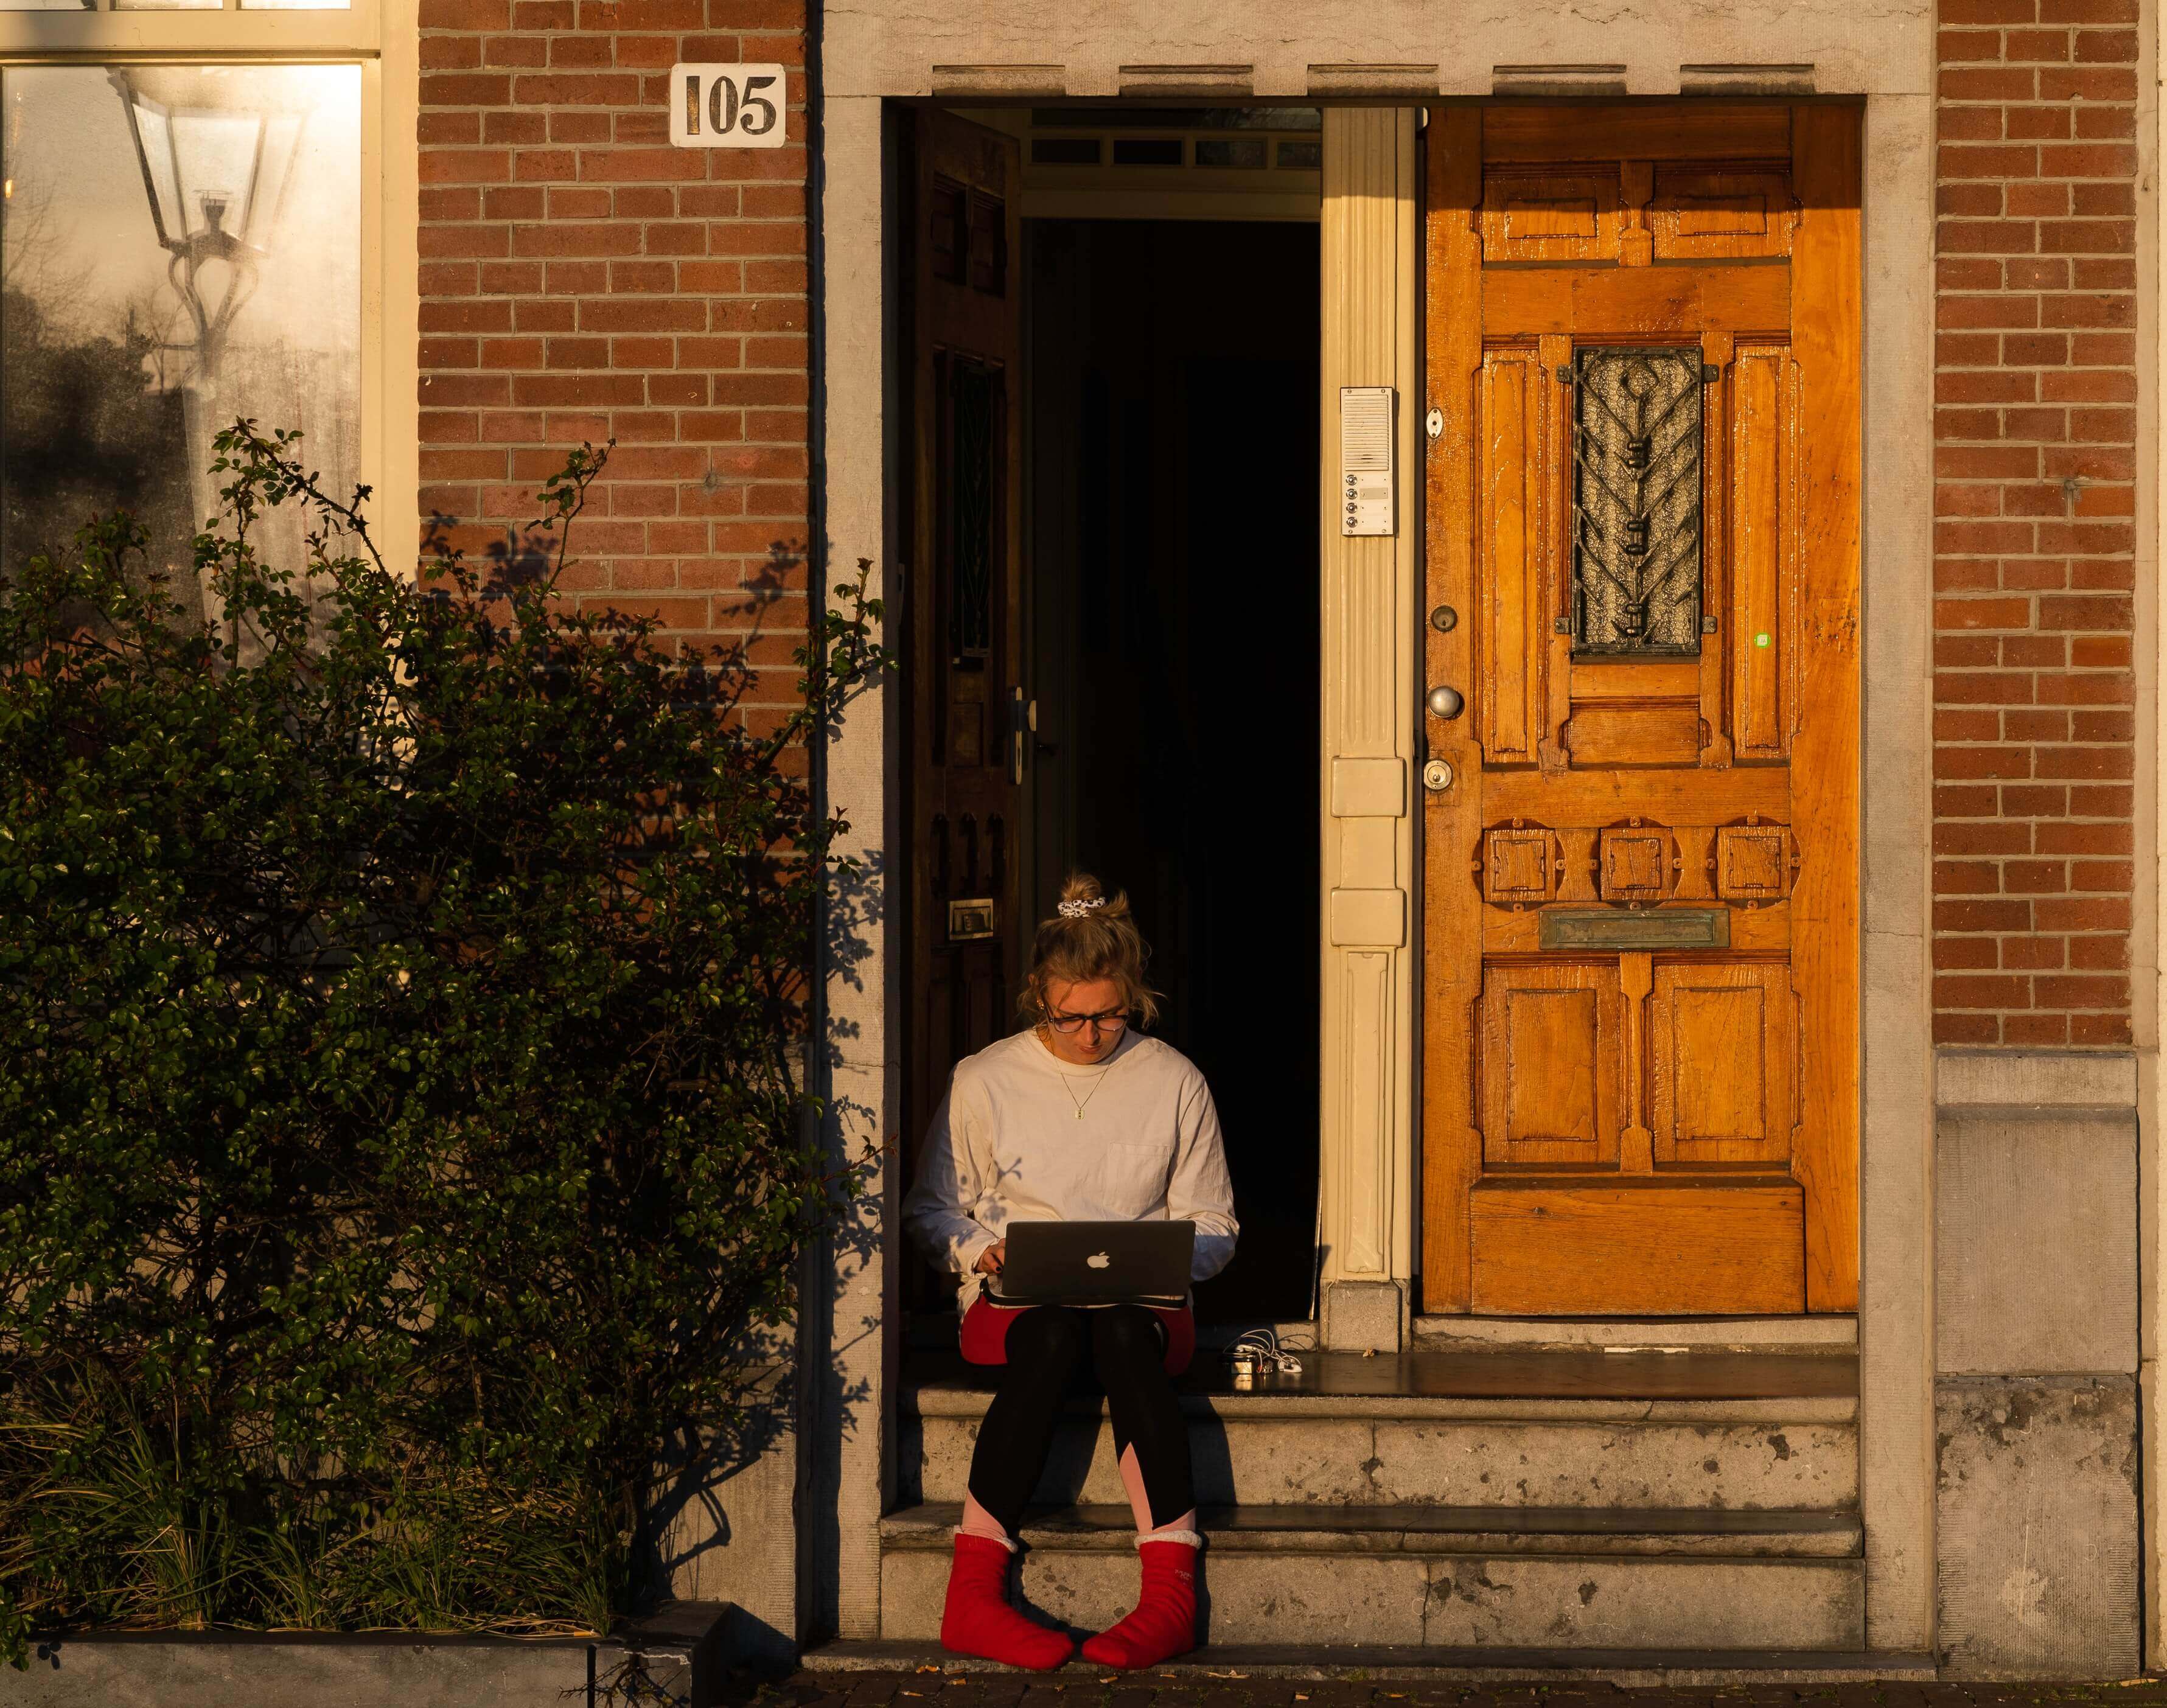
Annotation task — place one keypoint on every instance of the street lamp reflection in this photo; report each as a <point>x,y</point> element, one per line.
<point>216,172</point>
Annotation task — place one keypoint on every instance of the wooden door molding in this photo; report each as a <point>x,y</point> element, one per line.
<point>1541,1240</point>
<point>1827,293</point>
<point>1643,344</point>
<point>1550,1038</point>
<point>1453,908</point>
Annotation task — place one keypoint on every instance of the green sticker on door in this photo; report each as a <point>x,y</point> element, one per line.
<point>1760,639</point>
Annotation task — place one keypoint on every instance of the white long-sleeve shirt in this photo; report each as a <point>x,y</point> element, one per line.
<point>1007,1144</point>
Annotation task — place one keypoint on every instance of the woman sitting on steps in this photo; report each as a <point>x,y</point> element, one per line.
<point>1080,1118</point>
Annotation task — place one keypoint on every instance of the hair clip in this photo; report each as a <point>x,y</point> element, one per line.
<point>1076,910</point>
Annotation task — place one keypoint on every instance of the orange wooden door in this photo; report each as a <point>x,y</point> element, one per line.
<point>962,603</point>
<point>1641,974</point>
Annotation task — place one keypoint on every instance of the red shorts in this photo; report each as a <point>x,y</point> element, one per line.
<point>986,1333</point>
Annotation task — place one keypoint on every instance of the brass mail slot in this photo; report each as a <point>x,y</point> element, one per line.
<point>972,920</point>
<point>1610,927</point>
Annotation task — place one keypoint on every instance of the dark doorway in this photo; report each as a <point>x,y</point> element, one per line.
<point>1173,580</point>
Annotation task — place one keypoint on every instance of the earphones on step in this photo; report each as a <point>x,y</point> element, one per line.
<point>1258,1353</point>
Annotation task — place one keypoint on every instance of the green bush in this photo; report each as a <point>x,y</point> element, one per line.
<point>403,1149</point>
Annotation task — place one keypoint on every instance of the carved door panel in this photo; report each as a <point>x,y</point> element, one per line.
<point>961,604</point>
<point>1640,963</point>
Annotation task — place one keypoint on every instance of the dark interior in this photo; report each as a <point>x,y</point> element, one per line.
<point>1173,570</point>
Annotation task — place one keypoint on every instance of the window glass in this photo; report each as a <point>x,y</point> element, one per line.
<point>109,6</point>
<point>181,246</point>
<point>1177,117</point>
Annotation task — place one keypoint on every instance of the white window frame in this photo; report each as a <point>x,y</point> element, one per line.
<point>382,38</point>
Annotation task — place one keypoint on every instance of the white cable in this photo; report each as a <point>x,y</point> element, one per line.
<point>1262,1345</point>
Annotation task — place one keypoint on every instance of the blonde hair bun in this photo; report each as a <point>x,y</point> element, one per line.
<point>1090,937</point>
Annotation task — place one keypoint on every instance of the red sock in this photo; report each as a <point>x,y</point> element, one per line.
<point>1164,1624</point>
<point>977,1620</point>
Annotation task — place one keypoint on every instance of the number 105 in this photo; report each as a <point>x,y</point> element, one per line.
<point>727,106</point>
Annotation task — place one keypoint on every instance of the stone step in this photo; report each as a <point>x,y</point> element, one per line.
<point>1581,1429</point>
<point>1422,1530</point>
<point>1770,1581</point>
<point>1210,1666</point>
<point>1835,1335</point>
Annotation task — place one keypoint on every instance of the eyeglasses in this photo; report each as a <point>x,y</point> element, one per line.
<point>1114,1020</point>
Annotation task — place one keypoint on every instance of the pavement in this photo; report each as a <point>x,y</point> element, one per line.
<point>1078,1687</point>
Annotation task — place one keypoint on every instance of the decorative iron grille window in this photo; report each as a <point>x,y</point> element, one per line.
<point>974,429</point>
<point>1636,556</point>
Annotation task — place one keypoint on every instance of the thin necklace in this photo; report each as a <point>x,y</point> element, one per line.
<point>1088,1094</point>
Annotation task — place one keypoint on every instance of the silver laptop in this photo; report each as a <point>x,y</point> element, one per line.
<point>1096,1263</point>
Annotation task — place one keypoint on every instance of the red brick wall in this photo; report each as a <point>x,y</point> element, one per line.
<point>582,278</point>
<point>2035,448</point>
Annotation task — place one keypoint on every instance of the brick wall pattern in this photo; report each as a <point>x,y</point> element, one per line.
<point>583,279</point>
<point>2035,449</point>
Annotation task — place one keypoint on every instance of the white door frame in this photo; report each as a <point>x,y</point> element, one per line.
<point>968,47</point>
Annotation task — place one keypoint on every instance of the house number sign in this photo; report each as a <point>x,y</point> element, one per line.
<point>727,106</point>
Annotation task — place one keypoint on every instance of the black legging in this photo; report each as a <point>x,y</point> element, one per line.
<point>1045,1348</point>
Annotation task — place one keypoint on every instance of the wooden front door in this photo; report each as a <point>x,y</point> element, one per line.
<point>1640,1086</point>
<point>965,732</point>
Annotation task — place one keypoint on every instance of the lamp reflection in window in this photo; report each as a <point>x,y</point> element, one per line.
<point>180,245</point>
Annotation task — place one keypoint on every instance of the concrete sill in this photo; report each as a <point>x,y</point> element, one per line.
<point>676,1656</point>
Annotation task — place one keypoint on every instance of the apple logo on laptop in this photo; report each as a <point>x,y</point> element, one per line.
<point>1098,1260</point>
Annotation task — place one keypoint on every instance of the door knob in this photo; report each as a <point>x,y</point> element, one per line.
<point>1445,702</point>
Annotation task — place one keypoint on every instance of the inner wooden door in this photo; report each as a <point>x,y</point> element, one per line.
<point>1640,963</point>
<point>962,607</point>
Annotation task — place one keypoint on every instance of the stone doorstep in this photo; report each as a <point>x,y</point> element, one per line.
<point>1244,1458</point>
<point>1835,1336</point>
<point>934,1332</point>
<point>930,1400</point>
<point>1436,1530</point>
<point>682,1651</point>
<point>1216,1664</point>
<point>1392,1440</point>
<point>1507,1600</point>
<point>1525,1577</point>
<point>1487,1382</point>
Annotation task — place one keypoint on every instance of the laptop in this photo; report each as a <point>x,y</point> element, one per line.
<point>1096,1263</point>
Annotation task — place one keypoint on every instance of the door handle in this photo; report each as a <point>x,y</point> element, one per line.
<point>1023,725</point>
<point>1446,702</point>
